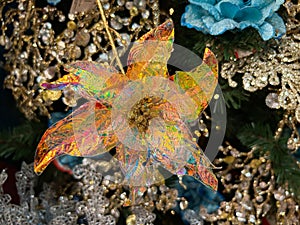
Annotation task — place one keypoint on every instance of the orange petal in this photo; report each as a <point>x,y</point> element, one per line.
<point>85,132</point>
<point>199,167</point>
<point>69,79</point>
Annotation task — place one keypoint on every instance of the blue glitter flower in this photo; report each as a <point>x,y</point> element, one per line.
<point>53,2</point>
<point>217,16</point>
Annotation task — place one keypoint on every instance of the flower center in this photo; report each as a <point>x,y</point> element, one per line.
<point>143,111</point>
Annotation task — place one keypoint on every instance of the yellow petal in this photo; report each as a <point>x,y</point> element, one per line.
<point>200,83</point>
<point>149,55</point>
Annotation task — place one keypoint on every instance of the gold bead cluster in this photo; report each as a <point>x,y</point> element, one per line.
<point>252,183</point>
<point>38,41</point>
<point>142,112</point>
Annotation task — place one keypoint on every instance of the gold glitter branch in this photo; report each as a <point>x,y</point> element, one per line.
<point>109,36</point>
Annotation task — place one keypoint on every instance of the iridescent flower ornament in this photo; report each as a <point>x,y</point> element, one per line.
<point>143,114</point>
<point>217,16</point>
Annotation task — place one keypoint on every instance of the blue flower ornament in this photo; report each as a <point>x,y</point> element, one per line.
<point>217,16</point>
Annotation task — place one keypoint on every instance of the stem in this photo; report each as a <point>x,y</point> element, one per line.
<point>109,36</point>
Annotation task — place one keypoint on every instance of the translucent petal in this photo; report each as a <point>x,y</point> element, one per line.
<point>200,83</point>
<point>136,166</point>
<point>97,81</point>
<point>199,167</point>
<point>85,132</point>
<point>61,83</point>
<point>171,143</point>
<point>149,55</point>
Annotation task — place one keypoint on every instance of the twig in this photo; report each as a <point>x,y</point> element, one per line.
<point>109,36</point>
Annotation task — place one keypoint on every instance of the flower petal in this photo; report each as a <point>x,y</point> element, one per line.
<point>221,26</point>
<point>193,18</point>
<point>266,31</point>
<point>228,10</point>
<point>207,8</point>
<point>171,143</point>
<point>136,167</point>
<point>173,148</point>
<point>248,14</point>
<point>97,81</point>
<point>85,132</point>
<point>239,3</point>
<point>200,83</point>
<point>133,92</point>
<point>61,83</point>
<point>278,25</point>
<point>199,167</point>
<point>197,2</point>
<point>149,55</point>
<point>268,8</point>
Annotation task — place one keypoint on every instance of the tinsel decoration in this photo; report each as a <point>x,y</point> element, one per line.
<point>38,38</point>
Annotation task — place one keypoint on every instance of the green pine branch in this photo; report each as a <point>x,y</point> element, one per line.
<point>284,163</point>
<point>234,96</point>
<point>19,143</point>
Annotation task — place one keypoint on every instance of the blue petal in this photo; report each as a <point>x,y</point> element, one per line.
<point>210,9</point>
<point>208,21</point>
<point>260,3</point>
<point>196,2</point>
<point>266,31</point>
<point>270,9</point>
<point>53,2</point>
<point>244,24</point>
<point>278,25</point>
<point>248,14</point>
<point>192,18</point>
<point>228,10</point>
<point>222,26</point>
<point>263,3</point>
<point>239,3</point>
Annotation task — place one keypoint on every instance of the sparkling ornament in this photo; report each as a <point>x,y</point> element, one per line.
<point>116,23</point>
<point>272,101</point>
<point>136,113</point>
